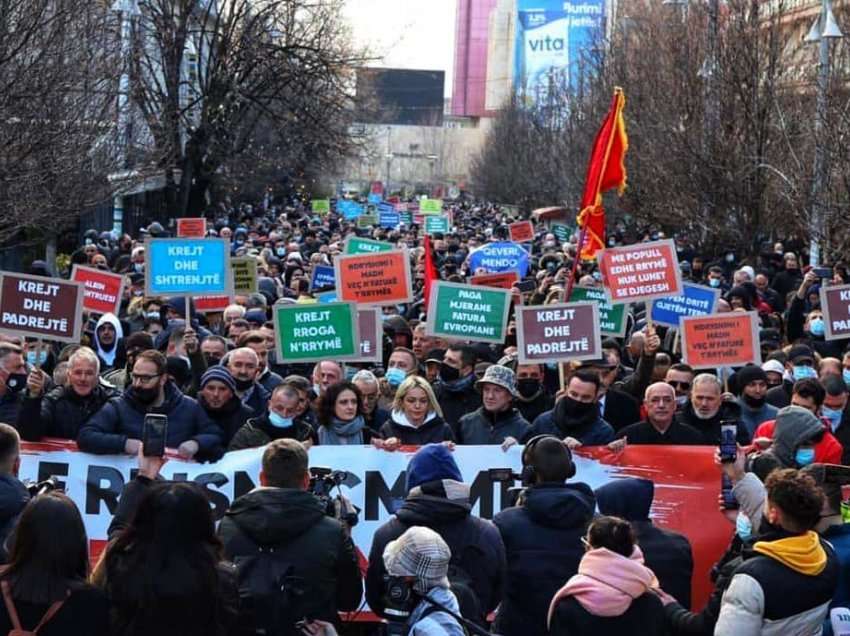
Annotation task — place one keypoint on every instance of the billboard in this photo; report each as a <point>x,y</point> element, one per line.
<point>553,37</point>
<point>401,96</point>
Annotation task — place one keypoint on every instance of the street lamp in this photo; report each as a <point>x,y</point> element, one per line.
<point>389,157</point>
<point>823,30</point>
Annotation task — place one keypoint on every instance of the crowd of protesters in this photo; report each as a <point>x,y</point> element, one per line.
<point>565,560</point>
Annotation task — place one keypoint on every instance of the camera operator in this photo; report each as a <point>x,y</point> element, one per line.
<point>280,533</point>
<point>13,493</point>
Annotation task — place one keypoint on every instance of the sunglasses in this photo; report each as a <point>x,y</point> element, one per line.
<point>685,386</point>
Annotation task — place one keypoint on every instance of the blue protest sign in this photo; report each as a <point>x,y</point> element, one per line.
<point>696,301</point>
<point>389,219</point>
<point>500,257</point>
<point>349,209</point>
<point>374,198</point>
<point>323,276</point>
<point>327,297</point>
<point>188,267</point>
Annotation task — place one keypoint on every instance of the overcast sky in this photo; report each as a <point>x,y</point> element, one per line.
<point>414,34</point>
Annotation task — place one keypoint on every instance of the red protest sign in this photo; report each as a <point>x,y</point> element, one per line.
<point>191,228</point>
<point>101,290</point>
<point>522,231</point>
<point>41,307</point>
<point>371,331</point>
<point>210,304</point>
<point>502,280</point>
<point>835,304</point>
<point>381,278</point>
<point>721,340</point>
<point>377,187</point>
<point>556,333</point>
<point>640,272</point>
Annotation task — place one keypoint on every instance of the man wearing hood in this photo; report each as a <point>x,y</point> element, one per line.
<point>706,409</point>
<point>438,499</point>
<point>576,418</point>
<point>668,554</point>
<point>117,427</point>
<point>286,526</point>
<point>456,390</point>
<point>108,342</point>
<point>752,384</point>
<point>542,536</point>
<point>496,420</point>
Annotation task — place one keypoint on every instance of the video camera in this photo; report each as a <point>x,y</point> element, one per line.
<point>516,494</point>
<point>322,482</point>
<point>35,488</point>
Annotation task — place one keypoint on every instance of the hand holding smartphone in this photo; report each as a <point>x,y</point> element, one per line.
<point>154,433</point>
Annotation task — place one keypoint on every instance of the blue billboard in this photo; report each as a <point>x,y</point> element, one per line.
<point>553,37</point>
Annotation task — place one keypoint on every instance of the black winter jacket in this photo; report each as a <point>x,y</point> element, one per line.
<point>541,403</point>
<point>456,404</point>
<point>543,546</point>
<point>318,548</point>
<point>259,431</point>
<point>13,498</point>
<point>230,418</point>
<point>645,616</point>
<point>432,431</point>
<point>482,427</point>
<point>60,412</point>
<point>710,428</point>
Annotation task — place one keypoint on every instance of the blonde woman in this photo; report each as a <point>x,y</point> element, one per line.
<point>416,417</point>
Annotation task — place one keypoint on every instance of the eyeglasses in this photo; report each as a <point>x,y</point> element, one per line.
<point>144,379</point>
<point>661,399</point>
<point>685,386</point>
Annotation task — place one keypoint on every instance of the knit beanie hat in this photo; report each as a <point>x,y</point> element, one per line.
<point>749,373</point>
<point>433,462</point>
<point>221,374</point>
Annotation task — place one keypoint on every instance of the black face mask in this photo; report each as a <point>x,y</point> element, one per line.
<point>147,395</point>
<point>578,410</point>
<point>754,403</point>
<point>448,373</point>
<point>510,340</point>
<point>16,382</point>
<point>528,387</point>
<point>243,385</point>
<point>211,361</point>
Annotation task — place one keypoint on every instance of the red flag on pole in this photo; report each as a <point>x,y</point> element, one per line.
<point>605,170</point>
<point>430,271</point>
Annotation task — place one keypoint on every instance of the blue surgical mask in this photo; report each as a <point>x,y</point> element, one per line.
<point>278,421</point>
<point>816,326</point>
<point>152,315</point>
<point>281,251</point>
<point>743,527</point>
<point>395,376</point>
<point>139,267</point>
<point>846,375</point>
<point>833,415</point>
<point>714,282</point>
<point>803,371</point>
<point>804,456</point>
<point>36,357</point>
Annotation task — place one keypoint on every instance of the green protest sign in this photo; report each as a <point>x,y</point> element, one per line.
<point>431,206</point>
<point>244,274</point>
<point>612,318</point>
<point>311,332</point>
<point>468,312</point>
<point>406,217</point>
<point>367,220</point>
<point>355,245</point>
<point>562,232</point>
<point>321,206</point>
<point>437,224</point>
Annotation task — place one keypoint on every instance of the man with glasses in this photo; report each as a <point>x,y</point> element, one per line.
<point>681,378</point>
<point>368,384</point>
<point>660,426</point>
<point>117,427</point>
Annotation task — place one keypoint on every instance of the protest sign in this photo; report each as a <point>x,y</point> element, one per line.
<point>405,217</point>
<point>374,279</point>
<point>188,266</point>
<point>327,297</point>
<point>349,209</point>
<point>722,340</point>
<point>371,331</point>
<point>388,218</point>
<point>367,220</point>
<point>612,318</point>
<point>355,245</point>
<point>500,257</point>
<point>641,272</point>
<point>835,304</point>
<point>320,206</point>
<point>558,333</point>
<point>468,312</point>
<point>244,274</point>
<point>377,187</point>
<point>502,280</point>
<point>430,206</point>
<point>41,307</point>
<point>323,277</point>
<point>210,304</point>
<point>101,290</point>
<point>438,224</point>
<point>695,300</point>
<point>521,231</point>
<point>562,232</point>
<point>308,333</point>
<point>191,227</point>
<point>374,198</point>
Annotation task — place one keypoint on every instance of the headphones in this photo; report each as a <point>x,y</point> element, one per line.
<point>529,471</point>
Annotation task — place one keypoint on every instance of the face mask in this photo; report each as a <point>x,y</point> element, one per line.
<point>578,410</point>
<point>804,456</point>
<point>510,340</point>
<point>16,382</point>
<point>714,282</point>
<point>528,387</point>
<point>395,376</point>
<point>211,361</point>
<point>36,358</point>
<point>754,403</point>
<point>146,395</point>
<point>802,371</point>
<point>280,251</point>
<point>152,315</point>
<point>139,267</point>
<point>278,421</point>
<point>816,327</point>
<point>743,527</point>
<point>243,385</point>
<point>681,400</point>
<point>448,373</point>
<point>833,415</point>
<point>846,375</point>
<point>730,258</point>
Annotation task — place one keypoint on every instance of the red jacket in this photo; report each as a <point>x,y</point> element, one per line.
<point>827,451</point>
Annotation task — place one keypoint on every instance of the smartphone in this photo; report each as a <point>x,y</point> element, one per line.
<point>822,272</point>
<point>728,443</point>
<point>154,432</point>
<point>729,501</point>
<point>527,286</point>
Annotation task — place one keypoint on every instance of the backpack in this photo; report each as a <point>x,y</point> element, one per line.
<point>17,630</point>
<point>269,591</point>
<point>463,587</point>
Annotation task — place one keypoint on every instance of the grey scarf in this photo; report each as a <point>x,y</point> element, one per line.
<point>341,433</point>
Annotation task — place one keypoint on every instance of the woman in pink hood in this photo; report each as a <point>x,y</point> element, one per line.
<point>613,592</point>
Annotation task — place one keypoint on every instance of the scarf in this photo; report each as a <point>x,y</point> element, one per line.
<point>460,385</point>
<point>802,553</point>
<point>341,433</point>
<point>607,583</point>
